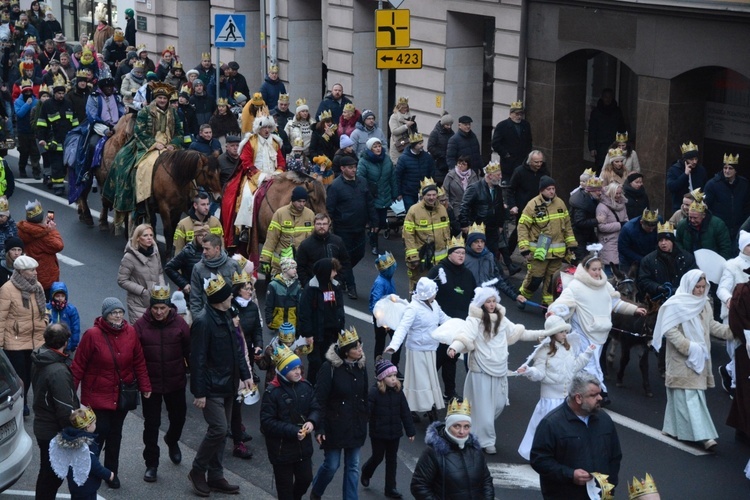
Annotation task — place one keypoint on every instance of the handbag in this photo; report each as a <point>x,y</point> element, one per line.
<point>401,142</point>
<point>128,395</point>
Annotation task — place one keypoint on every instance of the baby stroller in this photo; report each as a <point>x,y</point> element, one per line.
<point>394,219</point>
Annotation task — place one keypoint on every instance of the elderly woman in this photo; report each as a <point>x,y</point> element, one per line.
<point>140,269</point>
<point>611,214</point>
<point>684,327</point>
<point>452,466</point>
<point>109,353</point>
<point>457,180</point>
<point>23,318</point>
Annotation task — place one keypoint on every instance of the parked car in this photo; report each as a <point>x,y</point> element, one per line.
<point>15,443</point>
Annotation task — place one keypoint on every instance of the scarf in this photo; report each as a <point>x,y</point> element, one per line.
<point>216,262</point>
<point>242,302</point>
<point>137,80</point>
<point>464,176</point>
<point>148,252</point>
<point>27,287</point>
<point>375,158</point>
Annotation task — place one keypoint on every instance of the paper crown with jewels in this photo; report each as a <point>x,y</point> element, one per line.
<point>607,488</point>
<point>477,228</point>
<point>213,284</point>
<point>402,100</point>
<point>287,333</point>
<point>325,115</point>
<point>441,193</point>
<point>667,227</point>
<point>177,65</point>
<point>241,279</point>
<point>222,101</point>
<point>492,167</point>
<point>457,242</point>
<point>650,216</point>
<point>641,487</point>
<point>84,418</point>
<point>698,205</point>
<point>427,182</point>
<point>33,209</point>
<point>82,73</point>
<point>621,137</point>
<point>349,107</point>
<point>415,138</point>
<point>274,68</point>
<point>347,337</point>
<point>160,88</point>
<point>384,261</point>
<point>686,148</point>
<point>731,160</point>
<point>139,64</point>
<point>615,153</point>
<point>516,106</point>
<point>161,293</point>
<point>284,98</point>
<point>298,143</point>
<point>594,183</point>
<point>300,102</point>
<point>281,356</point>
<point>170,49</point>
<point>205,56</point>
<point>456,407</point>
<point>43,89</point>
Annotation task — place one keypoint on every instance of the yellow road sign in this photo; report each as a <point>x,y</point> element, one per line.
<point>399,59</point>
<point>392,29</point>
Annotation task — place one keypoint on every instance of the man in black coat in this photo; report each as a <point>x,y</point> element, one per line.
<point>727,196</point>
<point>512,140</point>
<point>660,271</point>
<point>319,245</point>
<point>583,215</point>
<point>573,441</point>
<point>464,143</point>
<point>605,121</point>
<point>437,146</point>
<point>236,82</point>
<point>686,174</point>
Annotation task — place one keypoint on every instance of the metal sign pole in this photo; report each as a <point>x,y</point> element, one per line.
<point>381,104</point>
<point>218,93</point>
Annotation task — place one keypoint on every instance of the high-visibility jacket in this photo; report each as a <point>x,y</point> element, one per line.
<point>423,225</point>
<point>185,232</point>
<point>551,219</point>
<point>287,229</point>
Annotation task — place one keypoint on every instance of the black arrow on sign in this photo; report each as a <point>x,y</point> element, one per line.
<point>386,59</point>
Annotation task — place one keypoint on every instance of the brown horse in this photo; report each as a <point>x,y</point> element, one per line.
<point>123,132</point>
<point>280,194</point>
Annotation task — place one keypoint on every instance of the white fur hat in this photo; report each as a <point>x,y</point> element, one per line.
<point>555,324</point>
<point>178,300</point>
<point>426,289</point>
<point>744,240</point>
<point>263,121</point>
<point>482,294</point>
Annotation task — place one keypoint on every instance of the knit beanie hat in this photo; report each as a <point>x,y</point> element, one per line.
<point>14,242</point>
<point>472,237</point>
<point>287,364</point>
<point>287,263</point>
<point>383,368</point>
<point>178,300</point>
<point>132,54</point>
<point>372,141</point>
<point>452,419</point>
<point>545,182</point>
<point>366,114</point>
<point>299,193</point>
<point>446,119</point>
<point>633,176</point>
<point>345,141</point>
<point>110,304</point>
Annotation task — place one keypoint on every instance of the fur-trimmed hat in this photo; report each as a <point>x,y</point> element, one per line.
<point>483,293</point>
<point>555,324</point>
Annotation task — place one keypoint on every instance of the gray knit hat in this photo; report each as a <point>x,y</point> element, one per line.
<point>110,304</point>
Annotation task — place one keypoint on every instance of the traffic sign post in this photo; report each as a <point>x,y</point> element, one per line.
<point>399,59</point>
<point>392,29</point>
<point>229,30</point>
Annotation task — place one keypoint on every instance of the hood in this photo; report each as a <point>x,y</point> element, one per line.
<point>44,356</point>
<point>584,277</point>
<point>322,271</point>
<point>435,437</point>
<point>476,312</point>
<point>332,356</point>
<point>58,286</point>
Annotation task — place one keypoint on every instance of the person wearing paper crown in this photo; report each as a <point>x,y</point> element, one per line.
<point>588,302</point>
<point>341,391</point>
<point>283,294</point>
<point>702,229</point>
<point>512,140</point>
<point>660,271</point>
<point>452,466</point>
<point>611,215</point>
<point>727,195</point>
<point>289,414</point>
<point>383,286</point>
<point>583,219</point>
<point>289,225</point>
<point>643,489</point>
<point>637,239</point>
<point>287,336</point>
<point>412,168</point>
<point>614,169</point>
<point>482,203</point>
<point>686,174</point>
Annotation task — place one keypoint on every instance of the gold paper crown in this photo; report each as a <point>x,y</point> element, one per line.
<point>31,41</point>
<point>26,83</point>
<point>606,487</point>
<point>300,102</point>
<point>686,148</point>
<point>347,337</point>
<point>58,81</point>
<point>287,337</point>
<point>139,64</point>
<point>170,48</point>
<point>4,207</point>
<point>159,292</point>
<point>43,88</point>
<point>177,65</point>
<point>492,167</point>
<point>382,262</point>
<point>651,216</point>
<point>84,418</point>
<point>459,408</point>
<point>457,241</point>
<point>274,68</point>
<point>222,101</point>
<point>639,488</point>
<point>160,88</point>
<point>140,48</point>
<point>621,137</point>
<point>415,138</point>
<point>402,100</point>
<point>284,98</point>
<point>697,195</point>
<point>427,181</point>
<point>698,207</point>
<point>516,105</point>
<point>594,183</point>
<point>613,153</point>
<point>590,172</point>
<point>441,193</point>
<point>184,88</point>
<point>82,73</point>
<point>241,279</point>
<point>731,160</point>
<point>173,96</point>
<point>667,227</point>
<point>477,228</point>
<point>326,115</point>
<point>280,354</point>
<point>298,142</point>
<point>349,107</point>
<point>33,209</point>
<point>213,284</point>
<point>205,56</point>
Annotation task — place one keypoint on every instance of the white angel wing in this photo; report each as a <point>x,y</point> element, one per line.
<point>450,330</point>
<point>710,263</point>
<point>389,310</point>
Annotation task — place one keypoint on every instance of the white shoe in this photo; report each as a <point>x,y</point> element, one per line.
<point>490,450</point>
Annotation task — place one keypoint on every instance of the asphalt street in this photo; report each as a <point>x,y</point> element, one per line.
<point>89,266</point>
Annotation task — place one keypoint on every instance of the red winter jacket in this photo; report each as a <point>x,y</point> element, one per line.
<point>166,347</point>
<point>42,243</point>
<point>93,366</point>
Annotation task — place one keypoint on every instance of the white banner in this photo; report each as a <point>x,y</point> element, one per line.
<point>728,123</point>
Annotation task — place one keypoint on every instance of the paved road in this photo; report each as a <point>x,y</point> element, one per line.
<point>89,267</point>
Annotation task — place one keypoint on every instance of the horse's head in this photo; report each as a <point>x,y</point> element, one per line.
<point>652,312</point>
<point>627,288</point>
<point>209,174</point>
<point>316,196</point>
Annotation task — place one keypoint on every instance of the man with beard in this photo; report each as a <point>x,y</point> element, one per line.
<point>557,454</point>
<point>703,230</point>
<point>56,119</point>
<point>483,204</point>
<point>512,139</point>
<point>198,216</point>
<point>319,245</point>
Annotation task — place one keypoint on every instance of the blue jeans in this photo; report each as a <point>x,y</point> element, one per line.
<point>331,465</point>
<point>9,124</point>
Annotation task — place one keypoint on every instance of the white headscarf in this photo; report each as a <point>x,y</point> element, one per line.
<point>683,308</point>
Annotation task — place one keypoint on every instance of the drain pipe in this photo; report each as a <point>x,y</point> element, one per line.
<point>273,30</point>
<point>522,50</point>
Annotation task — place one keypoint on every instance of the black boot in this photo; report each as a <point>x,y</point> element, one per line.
<point>351,292</point>
<point>374,243</point>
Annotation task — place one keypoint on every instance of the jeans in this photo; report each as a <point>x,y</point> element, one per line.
<point>176,412</point>
<point>210,454</point>
<point>331,465</point>
<point>47,482</point>
<point>387,448</point>
<point>292,480</point>
<point>109,436</point>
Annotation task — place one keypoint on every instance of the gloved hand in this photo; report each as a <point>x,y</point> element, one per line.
<point>412,264</point>
<point>265,268</point>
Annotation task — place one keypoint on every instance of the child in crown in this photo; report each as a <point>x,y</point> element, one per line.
<point>286,337</point>
<point>383,286</point>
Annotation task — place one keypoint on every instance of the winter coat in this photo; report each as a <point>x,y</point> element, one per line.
<point>583,220</point>
<point>456,293</point>
<point>224,125</point>
<point>556,224</point>
<point>7,230</point>
<point>8,181</point>
<point>454,189</point>
<point>381,287</point>
<point>637,200</point>
<point>94,369</point>
<point>678,183</point>
<point>712,234</point>
<point>216,361</point>
<point>419,321</point>
<point>610,216</point>
<point>129,87</point>
<point>634,243</point>
<point>380,177</point>
<point>54,395</point>
<point>203,271</point>
<point>321,306</point>
<point>285,408</point>
<point>180,267</point>
<point>22,323</point>
<point>137,274</point>
<point>437,146</point>
<point>330,104</point>
<point>678,375</point>
<point>447,472</point>
<point>484,268</point>
<point>411,169</point>
<point>513,143</point>
<point>729,202</point>
<point>524,185</point>
<point>423,225</point>
<point>341,391</point>
<point>205,147</point>
<point>389,414</point>
<point>250,324</point>
<point>42,243</point>
<point>734,274</point>
<point>556,371</point>
<point>281,302</point>
<point>166,348</point>
<point>320,144</point>
<point>397,128</point>
<point>351,205</point>
<point>23,114</point>
<point>316,247</point>
<point>464,144</point>
<point>478,206</point>
<point>348,126</point>
<point>204,105</point>
<point>362,134</point>
<point>658,268</point>
<point>270,89</point>
<point>69,315</point>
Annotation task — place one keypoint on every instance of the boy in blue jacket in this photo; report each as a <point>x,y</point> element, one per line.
<point>61,311</point>
<point>382,287</point>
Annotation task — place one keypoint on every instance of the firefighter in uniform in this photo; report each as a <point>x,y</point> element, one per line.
<point>198,216</point>
<point>56,119</point>
<point>289,225</point>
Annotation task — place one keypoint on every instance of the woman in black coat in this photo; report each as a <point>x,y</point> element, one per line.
<point>452,466</point>
<point>635,194</point>
<point>342,393</point>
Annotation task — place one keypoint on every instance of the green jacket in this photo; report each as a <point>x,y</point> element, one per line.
<point>281,302</point>
<point>712,235</point>
<point>380,177</point>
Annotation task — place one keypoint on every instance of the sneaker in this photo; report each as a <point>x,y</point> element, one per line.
<point>726,379</point>
<point>241,451</point>
<point>490,450</point>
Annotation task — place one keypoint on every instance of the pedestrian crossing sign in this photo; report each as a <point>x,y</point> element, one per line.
<point>229,30</point>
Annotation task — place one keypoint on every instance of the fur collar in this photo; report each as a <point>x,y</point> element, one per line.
<point>584,277</point>
<point>333,357</point>
<point>442,445</point>
<point>498,315</point>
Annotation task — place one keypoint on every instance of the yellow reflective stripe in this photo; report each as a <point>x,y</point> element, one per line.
<point>432,227</point>
<point>60,180</point>
<point>178,234</point>
<point>41,123</point>
<point>74,122</point>
<point>186,139</point>
<point>274,225</point>
<point>216,230</point>
<point>266,253</point>
<point>292,230</point>
<point>409,226</point>
<point>570,239</point>
<point>53,117</point>
<point>412,252</point>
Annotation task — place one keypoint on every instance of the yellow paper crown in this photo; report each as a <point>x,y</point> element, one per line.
<point>177,65</point>
<point>173,96</point>
<point>614,153</point>
<point>325,115</point>
<point>347,337</point>
<point>58,81</point>
<point>639,488</point>
<point>284,98</point>
<point>606,487</point>
<point>139,64</point>
<point>160,88</point>
<point>26,83</point>
<point>594,183</point>
<point>184,88</point>
<point>213,284</point>
<point>170,48</point>
<point>731,160</point>
<point>402,100</point>
<point>686,148</point>
<point>426,182</point>
<point>82,73</point>
<point>84,418</point>
<point>349,107</point>
<point>222,101</point>
<point>43,89</point>
<point>697,195</point>
<point>299,143</point>
<point>4,207</point>
<point>477,228</point>
<point>241,279</point>
<point>159,292</point>
<point>457,242</point>
<point>274,68</point>
<point>651,216</point>
<point>205,56</point>
<point>31,41</point>
<point>33,209</point>
<point>589,172</point>
<point>415,138</point>
<point>492,167</point>
<point>281,356</point>
<point>257,99</point>
<point>383,261</point>
<point>667,227</point>
<point>516,106</point>
<point>300,102</point>
<point>698,207</point>
<point>441,193</point>
<point>459,408</point>
<point>621,137</point>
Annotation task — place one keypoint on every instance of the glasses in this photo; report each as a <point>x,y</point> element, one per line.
<point>117,312</point>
